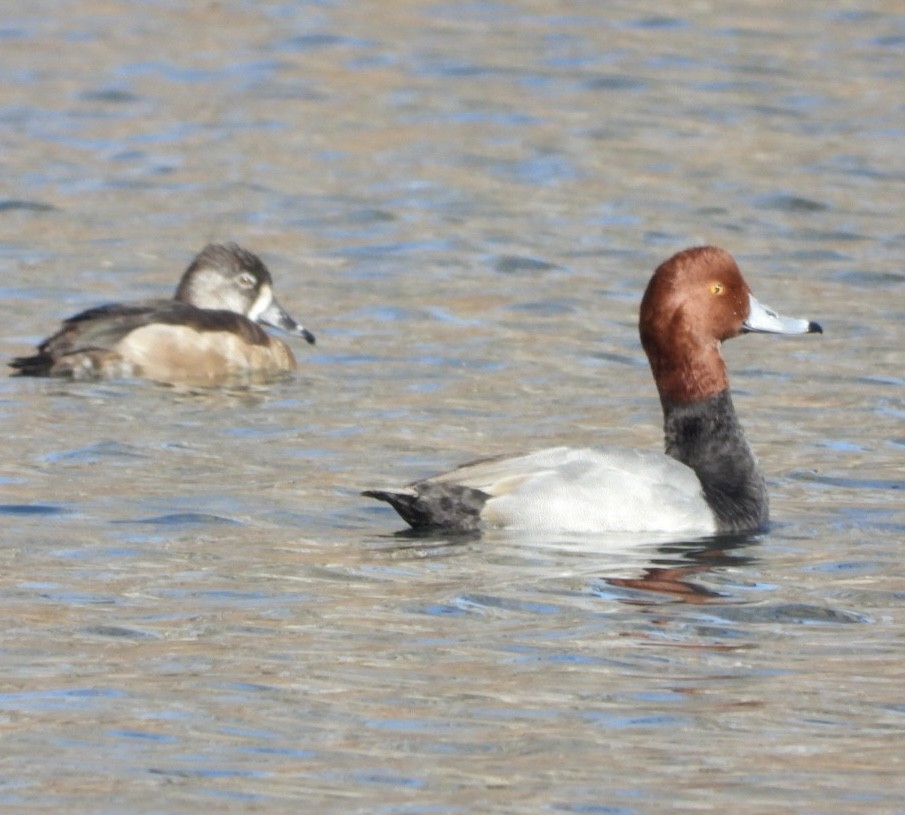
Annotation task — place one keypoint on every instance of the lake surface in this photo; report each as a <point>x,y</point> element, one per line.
<point>463,201</point>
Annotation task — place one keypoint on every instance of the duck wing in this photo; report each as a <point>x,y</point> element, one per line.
<point>559,489</point>
<point>99,330</point>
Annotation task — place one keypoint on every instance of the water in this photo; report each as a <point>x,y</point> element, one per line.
<point>463,201</point>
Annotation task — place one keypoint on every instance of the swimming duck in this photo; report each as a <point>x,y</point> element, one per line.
<point>708,482</point>
<point>208,332</point>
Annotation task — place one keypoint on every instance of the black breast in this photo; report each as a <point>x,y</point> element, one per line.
<point>708,438</point>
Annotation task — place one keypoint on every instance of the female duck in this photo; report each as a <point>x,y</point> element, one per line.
<point>708,482</point>
<point>208,332</point>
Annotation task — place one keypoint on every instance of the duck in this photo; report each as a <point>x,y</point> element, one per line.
<point>706,482</point>
<point>208,332</point>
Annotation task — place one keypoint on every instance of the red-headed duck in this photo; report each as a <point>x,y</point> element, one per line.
<point>208,332</point>
<point>708,481</point>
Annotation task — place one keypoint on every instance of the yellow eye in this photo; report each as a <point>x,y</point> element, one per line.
<point>717,288</point>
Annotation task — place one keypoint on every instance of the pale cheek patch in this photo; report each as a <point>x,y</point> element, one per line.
<point>265,298</point>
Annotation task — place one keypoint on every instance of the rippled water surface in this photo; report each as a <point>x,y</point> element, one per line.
<point>464,202</point>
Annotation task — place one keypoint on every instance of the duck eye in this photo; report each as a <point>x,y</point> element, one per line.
<point>246,280</point>
<point>717,288</point>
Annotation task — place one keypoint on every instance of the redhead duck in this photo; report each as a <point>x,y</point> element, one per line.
<point>708,482</point>
<point>207,332</point>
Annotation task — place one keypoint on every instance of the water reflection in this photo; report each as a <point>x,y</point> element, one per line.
<point>650,568</point>
<point>673,576</point>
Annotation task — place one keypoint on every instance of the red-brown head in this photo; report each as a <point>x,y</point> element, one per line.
<point>695,300</point>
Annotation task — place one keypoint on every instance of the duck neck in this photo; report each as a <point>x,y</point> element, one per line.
<point>706,436</point>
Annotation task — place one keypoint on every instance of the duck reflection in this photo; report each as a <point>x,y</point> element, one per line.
<point>676,578</point>
<point>650,569</point>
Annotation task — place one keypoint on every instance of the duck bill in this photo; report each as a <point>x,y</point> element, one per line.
<point>275,315</point>
<point>766,321</point>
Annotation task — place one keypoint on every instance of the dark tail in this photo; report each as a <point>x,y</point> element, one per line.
<point>405,503</point>
<point>37,365</point>
<point>429,505</point>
